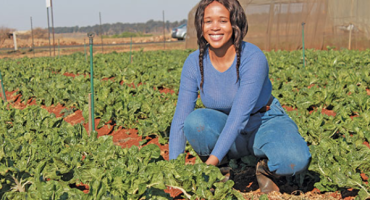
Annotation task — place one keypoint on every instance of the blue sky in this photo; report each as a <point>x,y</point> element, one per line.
<point>16,13</point>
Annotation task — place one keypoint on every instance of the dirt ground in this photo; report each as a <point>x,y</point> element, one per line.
<point>66,44</point>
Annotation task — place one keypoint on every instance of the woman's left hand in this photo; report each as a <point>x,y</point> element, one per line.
<point>212,160</point>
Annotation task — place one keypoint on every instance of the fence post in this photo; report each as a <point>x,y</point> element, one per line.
<point>92,124</point>
<point>350,36</point>
<point>2,88</point>
<point>15,41</point>
<point>303,43</point>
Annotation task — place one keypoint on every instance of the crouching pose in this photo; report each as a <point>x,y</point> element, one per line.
<point>241,116</point>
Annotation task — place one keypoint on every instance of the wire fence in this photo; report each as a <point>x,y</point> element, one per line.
<point>276,24</point>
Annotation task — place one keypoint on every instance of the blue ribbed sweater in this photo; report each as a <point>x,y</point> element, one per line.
<point>221,92</point>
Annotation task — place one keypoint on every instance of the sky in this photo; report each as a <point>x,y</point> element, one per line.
<point>17,14</point>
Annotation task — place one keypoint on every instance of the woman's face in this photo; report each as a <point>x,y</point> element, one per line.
<point>217,28</point>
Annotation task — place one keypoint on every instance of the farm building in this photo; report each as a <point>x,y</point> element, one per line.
<point>277,24</point>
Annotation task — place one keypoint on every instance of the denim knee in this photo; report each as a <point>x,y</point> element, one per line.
<point>202,128</point>
<point>290,163</point>
<point>194,123</point>
<point>194,130</point>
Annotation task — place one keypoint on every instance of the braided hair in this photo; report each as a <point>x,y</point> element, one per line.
<point>239,25</point>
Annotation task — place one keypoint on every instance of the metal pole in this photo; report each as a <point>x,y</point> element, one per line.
<point>58,49</point>
<point>33,46</point>
<point>2,87</point>
<point>15,41</point>
<point>350,36</point>
<point>52,23</point>
<point>47,10</point>
<point>91,36</point>
<point>164,34</point>
<point>350,27</point>
<point>101,33</point>
<point>85,50</point>
<point>303,43</point>
<point>90,117</point>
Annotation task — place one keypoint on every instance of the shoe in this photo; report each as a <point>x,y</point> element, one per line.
<point>228,173</point>
<point>265,178</point>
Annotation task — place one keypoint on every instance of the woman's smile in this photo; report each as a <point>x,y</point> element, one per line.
<point>217,30</point>
<point>217,37</point>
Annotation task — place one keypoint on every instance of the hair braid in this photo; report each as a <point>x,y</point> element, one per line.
<point>201,55</point>
<point>238,52</point>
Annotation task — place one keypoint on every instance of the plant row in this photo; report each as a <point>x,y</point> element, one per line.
<point>332,80</point>
<point>43,157</point>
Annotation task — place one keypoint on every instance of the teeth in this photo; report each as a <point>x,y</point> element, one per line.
<point>216,37</point>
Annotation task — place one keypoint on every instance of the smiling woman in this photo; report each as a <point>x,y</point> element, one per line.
<point>241,117</point>
<point>217,28</point>
<point>217,31</point>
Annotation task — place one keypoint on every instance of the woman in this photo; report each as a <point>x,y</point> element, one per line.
<point>241,116</point>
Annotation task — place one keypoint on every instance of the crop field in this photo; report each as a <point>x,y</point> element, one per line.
<point>47,153</point>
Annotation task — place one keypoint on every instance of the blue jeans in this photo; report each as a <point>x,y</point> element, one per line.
<point>272,135</point>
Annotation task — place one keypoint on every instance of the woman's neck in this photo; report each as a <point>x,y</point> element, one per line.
<point>222,58</point>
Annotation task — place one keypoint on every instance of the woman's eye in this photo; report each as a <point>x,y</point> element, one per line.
<point>207,22</point>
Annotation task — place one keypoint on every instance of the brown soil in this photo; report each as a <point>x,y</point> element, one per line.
<point>54,109</point>
<point>66,41</point>
<point>367,144</point>
<point>328,112</point>
<point>81,39</point>
<point>310,86</point>
<point>16,98</point>
<point>288,108</point>
<point>174,193</point>
<point>74,75</point>
<point>75,118</point>
<point>166,90</point>
<point>84,187</point>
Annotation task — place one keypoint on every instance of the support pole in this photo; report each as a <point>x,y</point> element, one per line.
<point>52,23</point>
<point>91,36</point>
<point>47,11</point>
<point>15,41</point>
<point>269,27</point>
<point>164,33</point>
<point>303,43</point>
<point>2,88</point>
<point>101,34</point>
<point>58,49</point>
<point>33,46</point>
<point>90,116</point>
<point>1,92</point>
<point>350,36</point>
<point>85,50</point>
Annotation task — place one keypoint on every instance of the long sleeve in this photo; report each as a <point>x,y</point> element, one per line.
<point>222,92</point>
<point>253,75</point>
<point>188,94</point>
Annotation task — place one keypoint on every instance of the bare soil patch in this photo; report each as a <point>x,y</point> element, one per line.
<point>66,44</point>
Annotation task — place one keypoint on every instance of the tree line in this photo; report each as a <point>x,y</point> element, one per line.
<point>150,26</point>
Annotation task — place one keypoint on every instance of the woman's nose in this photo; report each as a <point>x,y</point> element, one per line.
<point>215,26</point>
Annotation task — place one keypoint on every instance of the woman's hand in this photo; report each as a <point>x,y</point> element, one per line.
<point>212,160</point>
